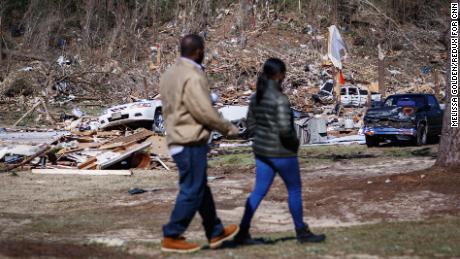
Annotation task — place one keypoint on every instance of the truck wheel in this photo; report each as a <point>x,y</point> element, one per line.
<point>372,141</point>
<point>421,135</point>
<point>158,122</point>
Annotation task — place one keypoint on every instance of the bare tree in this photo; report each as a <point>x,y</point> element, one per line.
<point>244,16</point>
<point>192,16</point>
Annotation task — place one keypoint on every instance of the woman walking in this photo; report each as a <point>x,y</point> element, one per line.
<point>270,122</point>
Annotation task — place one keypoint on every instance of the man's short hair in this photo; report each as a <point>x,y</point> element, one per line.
<point>190,43</point>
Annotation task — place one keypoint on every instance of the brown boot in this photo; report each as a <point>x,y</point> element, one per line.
<point>178,245</point>
<point>229,233</point>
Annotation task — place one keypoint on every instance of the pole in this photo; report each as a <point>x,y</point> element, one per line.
<point>1,42</point>
<point>381,71</point>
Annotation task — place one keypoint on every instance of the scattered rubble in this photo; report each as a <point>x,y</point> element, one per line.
<point>86,152</point>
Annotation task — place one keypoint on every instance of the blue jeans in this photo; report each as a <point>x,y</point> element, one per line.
<point>266,168</point>
<point>194,194</point>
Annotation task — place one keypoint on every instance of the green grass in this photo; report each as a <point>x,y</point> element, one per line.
<point>78,222</point>
<point>425,239</point>
<point>324,155</point>
<point>238,160</point>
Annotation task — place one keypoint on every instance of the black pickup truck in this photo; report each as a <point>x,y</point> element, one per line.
<point>406,117</point>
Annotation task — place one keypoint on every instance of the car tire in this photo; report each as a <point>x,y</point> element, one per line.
<point>372,141</point>
<point>422,136</point>
<point>158,123</point>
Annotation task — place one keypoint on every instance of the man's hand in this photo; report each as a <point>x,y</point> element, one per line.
<point>233,132</point>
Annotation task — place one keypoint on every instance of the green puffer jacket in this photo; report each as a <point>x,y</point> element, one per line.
<point>271,124</point>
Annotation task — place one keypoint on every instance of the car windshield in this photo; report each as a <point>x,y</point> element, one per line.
<point>404,101</point>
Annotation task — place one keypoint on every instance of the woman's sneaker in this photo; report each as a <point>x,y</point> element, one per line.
<point>244,238</point>
<point>304,235</point>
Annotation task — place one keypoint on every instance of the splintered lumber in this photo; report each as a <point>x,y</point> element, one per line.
<point>84,133</point>
<point>88,164</point>
<point>123,155</point>
<point>156,158</point>
<point>81,146</point>
<point>82,139</point>
<point>127,140</point>
<point>41,152</point>
<point>104,134</point>
<point>81,172</point>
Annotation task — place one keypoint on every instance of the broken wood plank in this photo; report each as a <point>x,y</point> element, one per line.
<point>87,163</point>
<point>113,133</point>
<point>81,139</point>
<point>81,172</point>
<point>84,133</point>
<point>156,158</point>
<point>127,140</point>
<point>91,166</point>
<point>28,112</point>
<point>81,146</point>
<point>124,155</point>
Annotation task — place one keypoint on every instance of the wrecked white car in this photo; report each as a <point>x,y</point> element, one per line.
<point>143,113</point>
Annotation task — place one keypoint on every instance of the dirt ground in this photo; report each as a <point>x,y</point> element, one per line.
<point>343,186</point>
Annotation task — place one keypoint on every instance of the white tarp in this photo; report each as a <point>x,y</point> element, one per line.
<point>336,47</point>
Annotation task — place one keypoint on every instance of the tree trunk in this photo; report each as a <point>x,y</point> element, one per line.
<point>245,14</point>
<point>193,16</point>
<point>89,8</point>
<point>449,147</point>
<point>1,41</point>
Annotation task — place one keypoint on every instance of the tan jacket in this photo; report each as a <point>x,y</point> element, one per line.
<point>187,106</point>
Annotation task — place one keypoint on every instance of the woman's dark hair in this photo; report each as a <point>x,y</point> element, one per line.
<point>272,67</point>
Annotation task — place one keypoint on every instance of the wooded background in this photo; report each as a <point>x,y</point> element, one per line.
<point>117,27</point>
<point>120,33</point>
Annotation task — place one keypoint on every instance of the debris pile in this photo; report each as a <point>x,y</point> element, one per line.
<point>85,150</point>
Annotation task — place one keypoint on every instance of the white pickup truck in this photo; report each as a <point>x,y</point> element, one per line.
<point>356,97</point>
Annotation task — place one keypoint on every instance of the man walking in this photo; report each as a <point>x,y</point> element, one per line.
<point>190,118</point>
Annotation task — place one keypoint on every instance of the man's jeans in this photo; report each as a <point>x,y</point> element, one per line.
<point>194,194</point>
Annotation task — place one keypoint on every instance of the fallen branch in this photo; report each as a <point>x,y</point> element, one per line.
<point>23,55</point>
<point>28,112</point>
